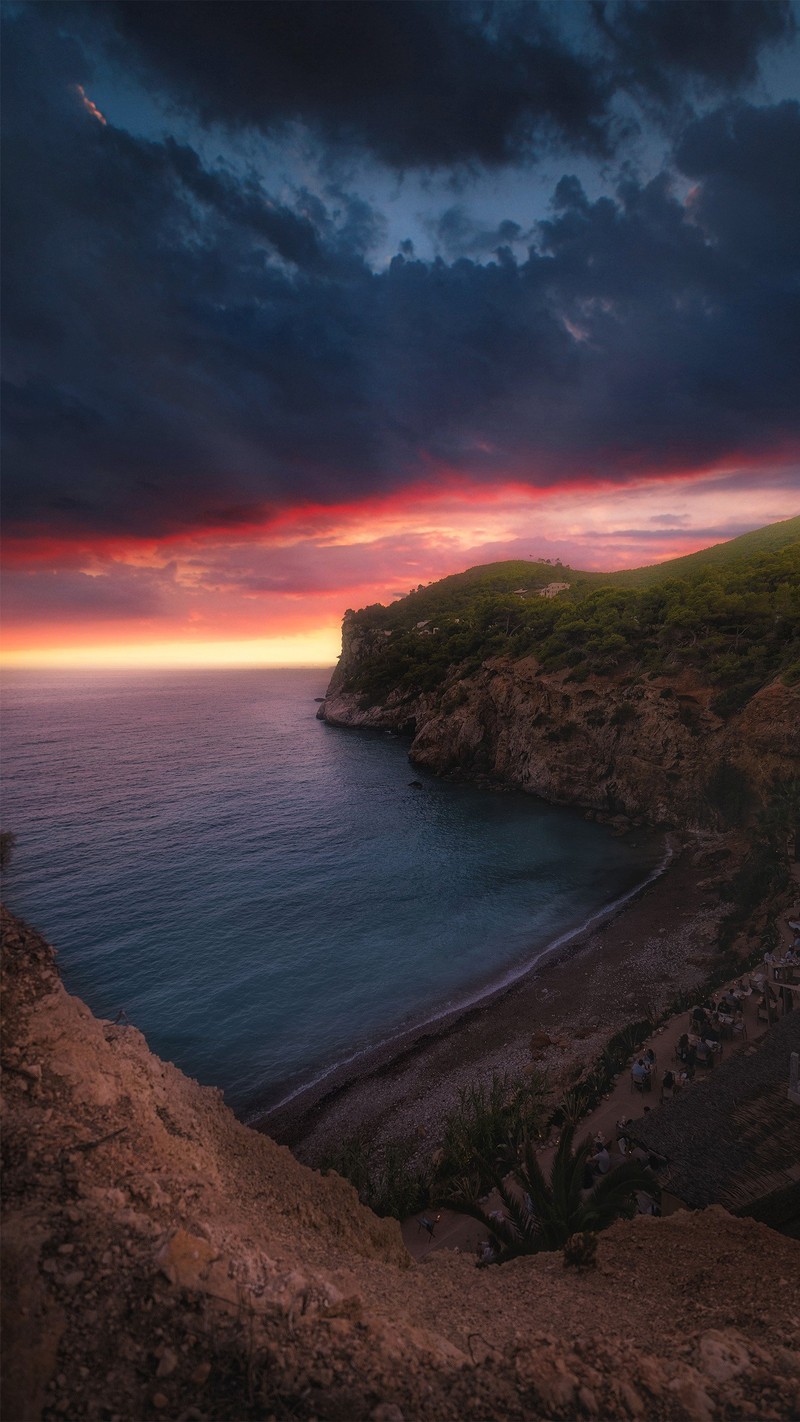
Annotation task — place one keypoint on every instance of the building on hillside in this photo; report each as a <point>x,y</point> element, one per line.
<point>552,589</point>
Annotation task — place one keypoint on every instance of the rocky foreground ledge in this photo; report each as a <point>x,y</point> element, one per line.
<point>161,1260</point>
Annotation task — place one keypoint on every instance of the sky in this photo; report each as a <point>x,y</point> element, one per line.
<point>305,304</point>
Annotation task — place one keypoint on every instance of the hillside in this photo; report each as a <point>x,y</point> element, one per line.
<point>162,1260</point>
<point>629,693</point>
<point>773,538</point>
<point>731,612</point>
<point>506,576</point>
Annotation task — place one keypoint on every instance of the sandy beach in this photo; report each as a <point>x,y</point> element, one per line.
<point>662,940</point>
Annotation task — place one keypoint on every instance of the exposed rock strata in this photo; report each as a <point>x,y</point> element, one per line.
<point>642,749</point>
<point>162,1260</point>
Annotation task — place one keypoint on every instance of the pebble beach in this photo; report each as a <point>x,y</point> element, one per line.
<point>561,1013</point>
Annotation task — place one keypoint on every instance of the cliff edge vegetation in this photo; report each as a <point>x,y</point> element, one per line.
<point>161,1260</point>
<point>668,695</point>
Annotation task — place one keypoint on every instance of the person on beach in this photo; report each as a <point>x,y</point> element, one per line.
<point>602,1160</point>
<point>687,1052</point>
<point>598,1164</point>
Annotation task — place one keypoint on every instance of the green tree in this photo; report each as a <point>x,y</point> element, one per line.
<point>484,1133</point>
<point>561,1206</point>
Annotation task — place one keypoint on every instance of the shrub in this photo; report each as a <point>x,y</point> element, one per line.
<point>596,719</point>
<point>564,731</point>
<point>382,1178</point>
<point>728,793</point>
<point>726,703</point>
<point>623,714</point>
<point>561,1209</point>
<point>489,1125</point>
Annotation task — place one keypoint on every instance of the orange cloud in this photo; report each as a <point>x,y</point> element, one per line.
<point>277,589</point>
<point>90,107</point>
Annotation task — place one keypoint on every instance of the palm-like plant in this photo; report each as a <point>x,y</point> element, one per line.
<point>561,1207</point>
<point>482,1135</point>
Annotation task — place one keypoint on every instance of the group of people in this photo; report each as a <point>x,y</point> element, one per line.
<point>697,1047</point>
<point>673,1081</point>
<point>644,1069</point>
<point>599,1162</point>
<point>776,961</point>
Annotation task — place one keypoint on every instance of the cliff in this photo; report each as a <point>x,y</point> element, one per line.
<point>668,694</point>
<point>650,749</point>
<point>162,1260</point>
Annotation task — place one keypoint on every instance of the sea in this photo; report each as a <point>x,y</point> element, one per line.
<point>266,896</point>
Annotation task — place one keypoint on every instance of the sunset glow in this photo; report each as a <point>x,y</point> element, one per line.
<point>312,649</point>
<point>275,349</point>
<point>275,594</point>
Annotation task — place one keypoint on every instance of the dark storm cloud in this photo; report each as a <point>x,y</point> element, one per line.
<point>421,84</point>
<point>658,44</point>
<point>418,84</point>
<point>459,236</point>
<point>746,162</point>
<point>185,350</point>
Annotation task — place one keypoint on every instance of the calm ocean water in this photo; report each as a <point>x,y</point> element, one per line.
<point>264,894</point>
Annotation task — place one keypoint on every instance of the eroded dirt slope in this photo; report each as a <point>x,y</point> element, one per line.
<point>163,1261</point>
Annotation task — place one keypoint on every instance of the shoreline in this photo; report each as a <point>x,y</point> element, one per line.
<point>404,1087</point>
<point>403,1042</point>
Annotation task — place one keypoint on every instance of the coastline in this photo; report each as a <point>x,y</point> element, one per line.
<point>634,954</point>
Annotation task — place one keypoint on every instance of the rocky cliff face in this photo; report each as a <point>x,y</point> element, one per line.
<point>342,707</point>
<point>162,1260</point>
<point>644,750</point>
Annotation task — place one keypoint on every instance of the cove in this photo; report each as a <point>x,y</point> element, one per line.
<point>266,895</point>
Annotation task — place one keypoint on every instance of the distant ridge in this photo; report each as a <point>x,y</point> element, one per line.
<point>530,574</point>
<point>772,538</point>
<point>730,614</point>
